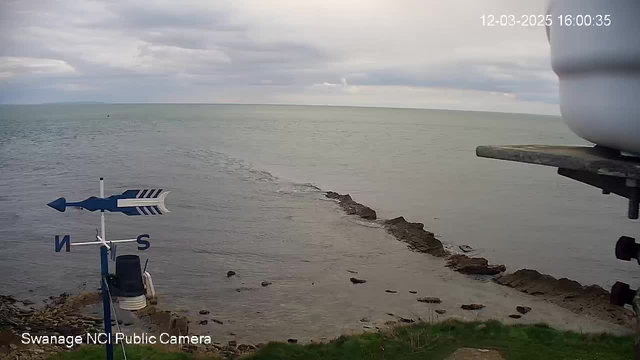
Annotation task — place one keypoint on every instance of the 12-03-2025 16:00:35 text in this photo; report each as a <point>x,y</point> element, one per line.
<point>510,20</point>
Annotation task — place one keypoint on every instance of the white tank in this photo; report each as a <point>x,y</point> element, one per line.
<point>599,69</point>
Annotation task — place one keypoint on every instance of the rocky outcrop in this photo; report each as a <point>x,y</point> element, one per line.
<point>416,237</point>
<point>588,300</point>
<point>472,306</point>
<point>59,317</point>
<point>351,207</point>
<point>473,266</point>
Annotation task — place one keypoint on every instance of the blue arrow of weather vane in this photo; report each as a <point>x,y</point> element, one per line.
<point>130,202</point>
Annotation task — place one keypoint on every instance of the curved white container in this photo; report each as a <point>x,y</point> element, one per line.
<point>599,71</point>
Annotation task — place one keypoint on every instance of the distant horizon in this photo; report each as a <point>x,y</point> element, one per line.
<point>423,54</point>
<point>267,104</point>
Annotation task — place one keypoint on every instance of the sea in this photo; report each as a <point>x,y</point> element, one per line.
<point>247,185</point>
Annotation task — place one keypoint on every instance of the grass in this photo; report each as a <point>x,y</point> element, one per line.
<point>425,341</point>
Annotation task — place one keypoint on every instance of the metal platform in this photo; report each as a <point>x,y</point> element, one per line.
<point>600,167</point>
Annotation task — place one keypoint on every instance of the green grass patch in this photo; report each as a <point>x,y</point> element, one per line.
<point>422,341</point>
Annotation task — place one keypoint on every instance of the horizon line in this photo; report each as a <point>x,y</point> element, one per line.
<point>266,104</point>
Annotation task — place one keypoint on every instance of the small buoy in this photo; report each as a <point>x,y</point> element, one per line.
<point>107,115</point>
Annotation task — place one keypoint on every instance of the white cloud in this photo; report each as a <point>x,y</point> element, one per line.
<point>279,50</point>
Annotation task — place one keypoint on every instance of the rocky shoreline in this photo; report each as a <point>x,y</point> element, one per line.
<point>590,300</point>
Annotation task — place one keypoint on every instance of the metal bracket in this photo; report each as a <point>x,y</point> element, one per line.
<point>626,188</point>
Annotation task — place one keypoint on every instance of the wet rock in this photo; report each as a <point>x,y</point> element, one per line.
<point>523,309</point>
<point>415,236</point>
<point>128,323</point>
<point>390,323</point>
<point>266,283</point>
<point>120,322</point>
<point>515,316</point>
<point>412,292</point>
<point>588,300</point>
<point>351,207</point>
<point>390,314</point>
<point>179,326</point>
<point>233,343</point>
<point>473,266</point>
<point>465,248</point>
<point>204,312</point>
<point>406,320</point>
<point>440,311</point>
<point>391,291</point>
<point>203,322</point>
<point>429,300</point>
<point>244,288</point>
<point>352,271</point>
<point>365,319</point>
<point>244,348</point>
<point>472,306</point>
<point>292,341</point>
<point>357,281</point>
<point>230,273</point>
<point>27,302</point>
<point>217,321</point>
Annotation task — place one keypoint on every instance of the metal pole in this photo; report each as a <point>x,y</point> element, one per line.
<point>104,270</point>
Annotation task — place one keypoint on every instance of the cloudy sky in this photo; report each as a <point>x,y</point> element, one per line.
<point>401,53</point>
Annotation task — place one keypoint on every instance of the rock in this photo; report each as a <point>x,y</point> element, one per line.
<point>204,312</point>
<point>441,311</point>
<point>128,323</point>
<point>351,207</point>
<point>203,322</point>
<point>412,292</point>
<point>179,326</point>
<point>465,248</point>
<point>391,291</point>
<point>523,309</point>
<point>365,319</point>
<point>352,271</point>
<point>217,321</point>
<point>120,322</point>
<point>390,314</point>
<point>260,345</point>
<point>588,300</point>
<point>244,347</point>
<point>230,273</point>
<point>292,341</point>
<point>233,343</point>
<point>406,320</point>
<point>266,283</point>
<point>472,306</point>
<point>232,334</point>
<point>244,288</point>
<point>27,302</point>
<point>357,281</point>
<point>473,266</point>
<point>415,236</point>
<point>515,316</point>
<point>429,300</point>
<point>390,323</point>
<point>153,301</point>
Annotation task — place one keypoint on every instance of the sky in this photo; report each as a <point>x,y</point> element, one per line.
<point>396,53</point>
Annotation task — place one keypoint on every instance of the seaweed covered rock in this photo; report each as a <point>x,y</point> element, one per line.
<point>352,207</point>
<point>589,300</point>
<point>415,236</point>
<point>473,266</point>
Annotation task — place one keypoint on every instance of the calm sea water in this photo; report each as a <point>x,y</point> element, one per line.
<point>245,196</point>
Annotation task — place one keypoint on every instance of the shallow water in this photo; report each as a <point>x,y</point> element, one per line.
<point>244,198</point>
